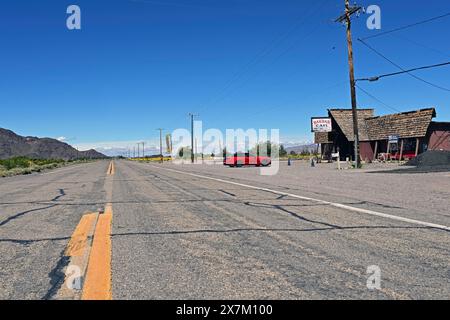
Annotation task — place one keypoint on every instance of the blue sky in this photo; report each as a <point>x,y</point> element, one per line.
<point>139,65</point>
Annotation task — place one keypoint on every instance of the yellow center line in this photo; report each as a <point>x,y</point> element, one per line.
<point>79,239</point>
<point>77,251</point>
<point>98,276</point>
<point>110,170</point>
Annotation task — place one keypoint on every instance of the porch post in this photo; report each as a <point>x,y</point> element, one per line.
<point>401,151</point>
<point>376,150</point>
<point>417,146</point>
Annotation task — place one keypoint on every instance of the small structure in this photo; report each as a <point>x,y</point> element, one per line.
<point>396,136</point>
<point>438,136</point>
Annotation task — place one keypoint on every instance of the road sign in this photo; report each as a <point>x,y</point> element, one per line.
<point>321,125</point>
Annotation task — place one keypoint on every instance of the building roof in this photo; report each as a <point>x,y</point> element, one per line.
<point>344,120</point>
<point>406,124</point>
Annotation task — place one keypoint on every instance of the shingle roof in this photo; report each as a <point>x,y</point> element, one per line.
<point>344,119</point>
<point>406,124</point>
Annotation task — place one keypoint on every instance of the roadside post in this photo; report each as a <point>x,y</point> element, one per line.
<point>289,161</point>
<point>392,139</point>
<point>336,155</point>
<point>320,125</point>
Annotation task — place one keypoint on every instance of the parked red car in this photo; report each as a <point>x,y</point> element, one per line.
<point>247,160</point>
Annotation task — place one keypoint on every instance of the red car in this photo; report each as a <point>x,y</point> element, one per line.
<point>247,160</point>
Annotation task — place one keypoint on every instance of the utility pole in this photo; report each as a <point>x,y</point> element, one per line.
<point>195,153</point>
<point>192,135</point>
<point>143,149</point>
<point>138,153</point>
<point>346,17</point>
<point>160,144</point>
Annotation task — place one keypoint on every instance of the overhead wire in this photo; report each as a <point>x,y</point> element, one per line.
<point>401,68</point>
<point>408,26</point>
<point>266,51</point>
<point>377,99</point>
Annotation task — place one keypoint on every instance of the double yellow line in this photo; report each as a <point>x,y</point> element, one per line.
<point>79,240</point>
<point>97,285</point>
<point>95,258</point>
<point>111,169</point>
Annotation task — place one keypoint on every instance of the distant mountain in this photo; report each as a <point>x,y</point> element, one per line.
<point>13,145</point>
<point>120,151</point>
<point>309,148</point>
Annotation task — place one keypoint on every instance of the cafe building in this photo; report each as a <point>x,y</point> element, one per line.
<point>393,136</point>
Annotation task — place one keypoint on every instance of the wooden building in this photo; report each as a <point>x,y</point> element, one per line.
<point>401,135</point>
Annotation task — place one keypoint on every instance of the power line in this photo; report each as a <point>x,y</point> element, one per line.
<point>288,101</point>
<point>172,4</point>
<point>407,26</point>
<point>377,99</point>
<point>376,78</point>
<point>267,50</point>
<point>245,80</point>
<point>401,68</point>
<point>444,54</point>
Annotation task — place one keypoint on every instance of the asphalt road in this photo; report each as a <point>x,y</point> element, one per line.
<point>38,214</point>
<point>179,234</point>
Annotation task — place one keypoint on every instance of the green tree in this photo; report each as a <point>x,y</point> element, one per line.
<point>282,151</point>
<point>265,148</point>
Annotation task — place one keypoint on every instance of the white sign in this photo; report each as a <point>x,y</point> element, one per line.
<point>393,139</point>
<point>321,125</point>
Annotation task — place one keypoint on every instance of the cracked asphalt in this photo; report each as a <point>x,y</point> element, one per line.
<point>178,236</point>
<point>38,214</point>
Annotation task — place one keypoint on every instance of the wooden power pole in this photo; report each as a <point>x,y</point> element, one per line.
<point>160,145</point>
<point>192,136</point>
<point>346,17</point>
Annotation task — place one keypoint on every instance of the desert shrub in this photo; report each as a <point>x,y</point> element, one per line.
<point>17,162</point>
<point>26,163</point>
